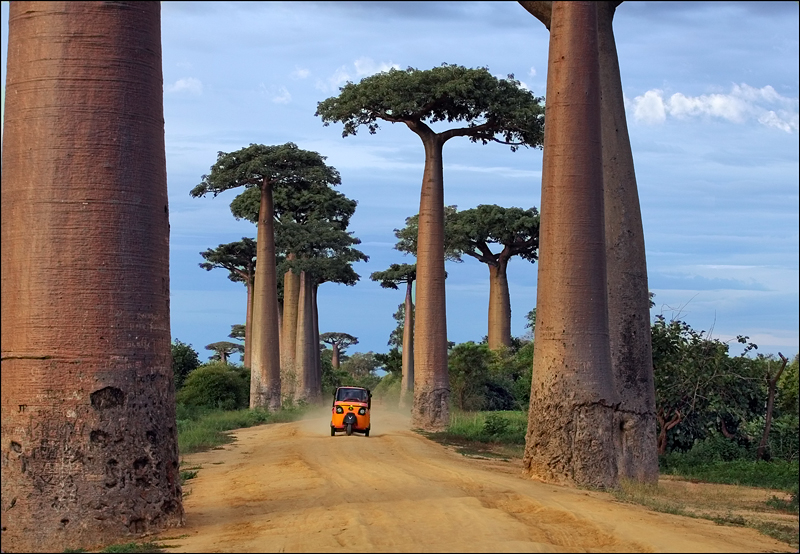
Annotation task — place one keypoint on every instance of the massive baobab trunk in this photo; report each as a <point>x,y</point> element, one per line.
<point>89,449</point>
<point>407,381</point>
<point>431,382</point>
<point>316,390</point>
<point>571,435</point>
<point>304,356</point>
<point>265,373</point>
<point>628,292</point>
<point>499,306</point>
<point>248,326</point>
<point>291,290</point>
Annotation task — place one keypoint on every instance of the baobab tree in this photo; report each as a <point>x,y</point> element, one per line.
<point>571,434</point>
<point>626,265</point>
<point>339,343</point>
<point>267,168</point>
<point>239,258</point>
<point>517,231</point>
<point>223,349</point>
<point>303,202</point>
<point>89,445</point>
<point>403,274</point>
<point>494,110</point>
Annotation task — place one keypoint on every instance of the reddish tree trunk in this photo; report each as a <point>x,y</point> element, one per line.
<point>407,381</point>
<point>431,382</point>
<point>304,356</point>
<point>248,326</point>
<point>316,391</point>
<point>499,306</point>
<point>628,292</point>
<point>265,374</point>
<point>89,443</point>
<point>291,290</point>
<point>571,423</point>
<point>335,356</point>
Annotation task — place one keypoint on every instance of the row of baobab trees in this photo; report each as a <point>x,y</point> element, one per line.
<point>89,449</point>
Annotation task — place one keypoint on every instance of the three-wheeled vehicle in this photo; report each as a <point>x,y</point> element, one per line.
<point>350,410</point>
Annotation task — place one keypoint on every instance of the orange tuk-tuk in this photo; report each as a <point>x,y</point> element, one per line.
<point>350,411</point>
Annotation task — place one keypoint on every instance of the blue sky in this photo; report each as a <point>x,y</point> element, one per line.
<point>712,104</point>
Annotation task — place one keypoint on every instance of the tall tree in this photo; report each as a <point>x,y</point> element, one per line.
<point>571,434</point>
<point>89,443</point>
<point>626,265</point>
<point>304,202</point>
<point>223,349</point>
<point>339,343</point>
<point>239,258</point>
<point>493,110</point>
<point>267,168</point>
<point>399,274</point>
<point>517,232</point>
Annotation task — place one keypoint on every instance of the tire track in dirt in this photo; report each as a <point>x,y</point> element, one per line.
<point>293,488</point>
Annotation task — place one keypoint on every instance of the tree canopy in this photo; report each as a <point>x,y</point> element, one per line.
<point>223,349</point>
<point>516,230</point>
<point>281,165</point>
<point>397,274</point>
<point>341,340</point>
<point>498,110</point>
<point>408,236</point>
<point>239,258</point>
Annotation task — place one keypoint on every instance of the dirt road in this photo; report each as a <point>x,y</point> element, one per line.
<point>292,487</point>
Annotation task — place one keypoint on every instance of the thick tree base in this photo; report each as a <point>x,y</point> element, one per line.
<point>572,444</point>
<point>637,447</point>
<point>431,409</point>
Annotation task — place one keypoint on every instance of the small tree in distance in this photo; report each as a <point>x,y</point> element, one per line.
<point>223,349</point>
<point>339,343</point>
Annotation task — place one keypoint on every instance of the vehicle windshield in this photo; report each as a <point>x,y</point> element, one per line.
<point>351,395</point>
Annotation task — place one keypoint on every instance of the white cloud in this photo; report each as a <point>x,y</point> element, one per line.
<point>744,103</point>
<point>363,67</point>
<point>188,84</point>
<point>366,67</point>
<point>532,72</point>
<point>282,97</point>
<point>300,73</point>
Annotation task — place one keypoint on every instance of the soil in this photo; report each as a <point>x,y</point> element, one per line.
<point>291,487</point>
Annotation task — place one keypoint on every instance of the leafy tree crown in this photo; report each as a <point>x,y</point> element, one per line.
<point>497,110</point>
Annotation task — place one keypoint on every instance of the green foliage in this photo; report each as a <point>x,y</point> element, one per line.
<point>283,165</point>
<point>237,331</point>
<point>776,474</point>
<point>239,258</point>
<point>202,428</point>
<point>396,336</point>
<point>361,365</point>
<point>408,235</point>
<point>223,349</point>
<point>391,362</point>
<point>493,109</point>
<point>343,340</point>
<point>506,427</point>
<point>216,385</point>
<point>387,391</point>
<point>514,229</point>
<point>397,274</point>
<point>185,359</point>
<point>787,400</point>
<point>697,378</point>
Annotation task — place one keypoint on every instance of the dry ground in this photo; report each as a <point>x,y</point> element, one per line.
<point>292,487</point>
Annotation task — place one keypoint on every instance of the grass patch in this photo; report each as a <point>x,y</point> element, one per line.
<point>776,474</point>
<point>201,429</point>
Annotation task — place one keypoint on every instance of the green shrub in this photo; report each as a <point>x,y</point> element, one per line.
<point>388,389</point>
<point>216,385</point>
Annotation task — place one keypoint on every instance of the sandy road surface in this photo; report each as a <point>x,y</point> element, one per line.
<point>292,487</point>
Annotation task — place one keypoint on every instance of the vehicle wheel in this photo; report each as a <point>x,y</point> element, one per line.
<point>333,431</point>
<point>366,433</point>
<point>349,429</point>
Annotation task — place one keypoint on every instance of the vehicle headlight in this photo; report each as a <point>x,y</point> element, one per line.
<point>362,411</point>
<point>339,410</point>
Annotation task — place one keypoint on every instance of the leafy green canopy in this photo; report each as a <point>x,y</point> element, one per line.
<point>407,237</point>
<point>498,110</point>
<point>517,230</point>
<point>343,340</point>
<point>282,165</point>
<point>397,274</point>
<point>239,258</point>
